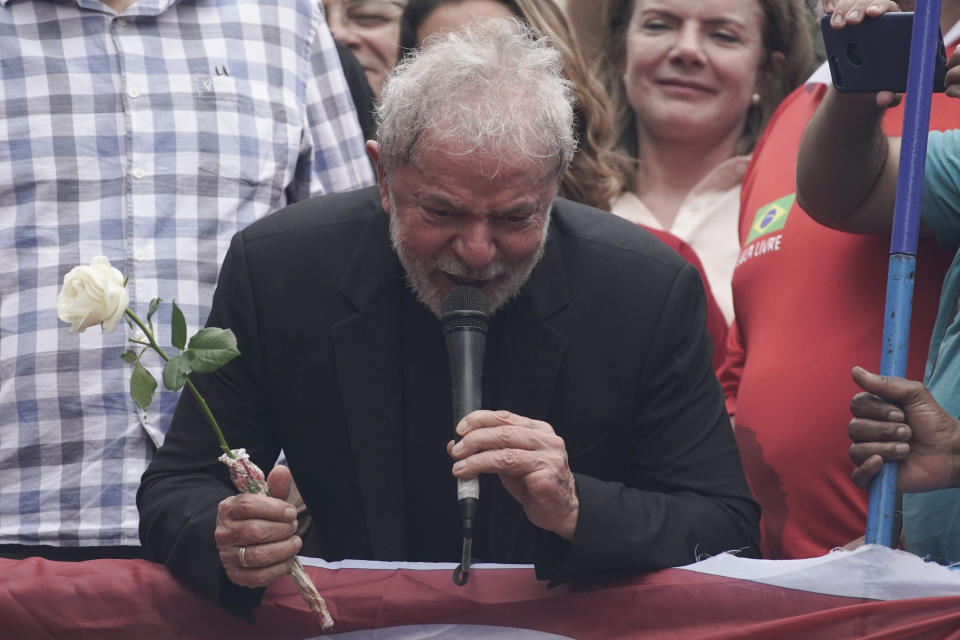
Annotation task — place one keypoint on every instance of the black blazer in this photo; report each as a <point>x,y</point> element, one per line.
<point>606,343</point>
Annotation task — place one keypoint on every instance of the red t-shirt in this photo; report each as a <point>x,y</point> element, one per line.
<point>809,305</point>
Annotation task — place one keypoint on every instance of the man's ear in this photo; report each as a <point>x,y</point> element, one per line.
<point>373,150</point>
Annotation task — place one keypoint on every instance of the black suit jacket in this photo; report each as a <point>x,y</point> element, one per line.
<point>606,343</point>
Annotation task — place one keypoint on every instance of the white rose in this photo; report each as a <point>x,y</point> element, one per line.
<point>92,295</point>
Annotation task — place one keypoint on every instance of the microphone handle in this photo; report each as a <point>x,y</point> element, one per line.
<point>468,488</point>
<point>465,349</point>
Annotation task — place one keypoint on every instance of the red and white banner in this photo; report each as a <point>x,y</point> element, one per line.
<point>873,592</point>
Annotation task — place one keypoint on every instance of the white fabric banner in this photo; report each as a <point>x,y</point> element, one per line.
<point>871,571</point>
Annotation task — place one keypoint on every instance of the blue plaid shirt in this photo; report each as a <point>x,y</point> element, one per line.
<point>150,138</point>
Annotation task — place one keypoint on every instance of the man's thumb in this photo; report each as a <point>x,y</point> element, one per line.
<point>882,386</point>
<point>279,481</point>
<point>891,388</point>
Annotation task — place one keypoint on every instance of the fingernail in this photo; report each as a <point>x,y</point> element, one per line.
<point>290,513</point>
<point>458,466</point>
<point>853,15</point>
<point>902,448</point>
<point>897,416</point>
<point>901,432</point>
<point>461,428</point>
<point>837,19</point>
<point>457,449</point>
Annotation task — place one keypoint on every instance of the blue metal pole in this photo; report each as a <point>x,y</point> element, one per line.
<point>903,244</point>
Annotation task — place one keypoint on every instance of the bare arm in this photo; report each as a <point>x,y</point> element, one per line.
<point>847,166</point>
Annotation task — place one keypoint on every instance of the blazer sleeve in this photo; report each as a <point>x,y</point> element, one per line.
<point>183,485</point>
<point>685,494</point>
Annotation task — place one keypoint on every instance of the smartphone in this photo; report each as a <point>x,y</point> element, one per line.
<point>874,55</point>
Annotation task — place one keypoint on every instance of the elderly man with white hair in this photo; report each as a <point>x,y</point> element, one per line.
<point>604,444</point>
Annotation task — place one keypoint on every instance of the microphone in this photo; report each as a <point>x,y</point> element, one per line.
<point>466,313</point>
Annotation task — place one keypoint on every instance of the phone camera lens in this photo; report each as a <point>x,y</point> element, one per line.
<point>854,54</point>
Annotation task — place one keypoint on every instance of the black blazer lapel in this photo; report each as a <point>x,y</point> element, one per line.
<point>367,348</point>
<point>521,378</point>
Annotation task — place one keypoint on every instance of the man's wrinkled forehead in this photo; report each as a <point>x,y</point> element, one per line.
<point>490,163</point>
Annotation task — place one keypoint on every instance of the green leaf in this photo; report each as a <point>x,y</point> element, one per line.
<point>154,305</point>
<point>175,372</point>
<point>142,386</point>
<point>211,348</point>
<point>129,356</point>
<point>178,328</point>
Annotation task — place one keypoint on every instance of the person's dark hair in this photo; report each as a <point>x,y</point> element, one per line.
<point>784,30</point>
<point>364,101</point>
<point>594,176</point>
<point>417,12</point>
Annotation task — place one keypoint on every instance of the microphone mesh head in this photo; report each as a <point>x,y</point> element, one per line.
<point>465,308</point>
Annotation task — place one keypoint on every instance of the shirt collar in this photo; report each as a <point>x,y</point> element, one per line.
<point>723,177</point>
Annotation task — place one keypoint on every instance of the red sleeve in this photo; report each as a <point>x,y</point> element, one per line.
<point>716,323</point>
<point>731,370</point>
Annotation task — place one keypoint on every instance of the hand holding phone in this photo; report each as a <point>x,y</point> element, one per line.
<point>874,54</point>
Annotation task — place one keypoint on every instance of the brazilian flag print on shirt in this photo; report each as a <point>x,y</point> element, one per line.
<point>770,217</point>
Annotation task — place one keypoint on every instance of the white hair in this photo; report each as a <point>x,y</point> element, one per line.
<point>492,87</point>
